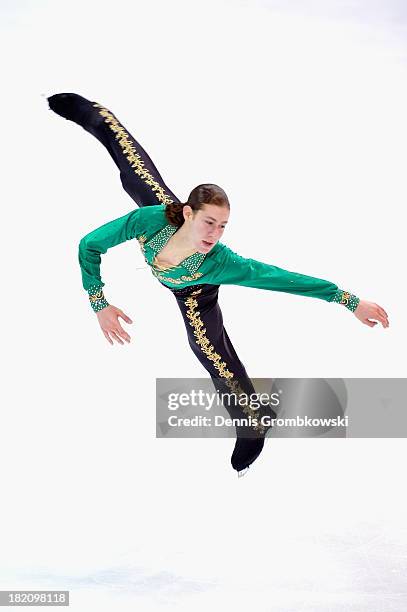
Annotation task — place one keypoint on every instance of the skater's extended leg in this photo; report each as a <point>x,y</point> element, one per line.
<point>139,176</point>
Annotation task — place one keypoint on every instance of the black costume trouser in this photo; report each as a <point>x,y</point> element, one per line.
<point>199,305</point>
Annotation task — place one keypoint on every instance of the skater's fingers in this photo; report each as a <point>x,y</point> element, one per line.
<point>384,317</point>
<point>116,337</point>
<point>107,336</point>
<point>370,323</point>
<point>122,333</point>
<point>124,317</point>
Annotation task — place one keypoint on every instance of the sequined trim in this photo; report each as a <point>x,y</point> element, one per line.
<point>132,156</point>
<point>96,298</point>
<point>203,341</point>
<point>347,299</point>
<point>160,239</point>
<point>193,262</point>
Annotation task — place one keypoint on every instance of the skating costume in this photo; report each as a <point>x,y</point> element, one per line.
<point>196,280</point>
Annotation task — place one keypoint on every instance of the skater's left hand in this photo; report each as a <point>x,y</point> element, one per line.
<point>369,310</point>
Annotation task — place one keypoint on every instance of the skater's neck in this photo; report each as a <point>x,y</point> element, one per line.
<point>182,241</point>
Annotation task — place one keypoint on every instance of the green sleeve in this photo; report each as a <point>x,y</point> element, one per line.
<point>233,269</point>
<point>96,243</point>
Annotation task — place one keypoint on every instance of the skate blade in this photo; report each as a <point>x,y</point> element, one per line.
<point>242,472</point>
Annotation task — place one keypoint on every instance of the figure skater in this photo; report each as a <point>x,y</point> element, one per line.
<point>180,242</point>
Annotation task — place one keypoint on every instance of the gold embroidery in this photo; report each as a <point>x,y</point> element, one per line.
<point>161,268</point>
<point>133,157</point>
<point>201,339</point>
<point>141,240</point>
<point>96,296</point>
<point>176,281</point>
<point>345,297</point>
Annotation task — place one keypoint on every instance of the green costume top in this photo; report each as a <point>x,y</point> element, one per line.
<point>220,266</point>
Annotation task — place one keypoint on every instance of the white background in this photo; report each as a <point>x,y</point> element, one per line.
<point>297,109</point>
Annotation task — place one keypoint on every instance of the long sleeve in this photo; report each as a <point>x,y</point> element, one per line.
<point>233,269</point>
<point>96,243</point>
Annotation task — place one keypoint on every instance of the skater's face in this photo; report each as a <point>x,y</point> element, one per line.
<point>206,225</point>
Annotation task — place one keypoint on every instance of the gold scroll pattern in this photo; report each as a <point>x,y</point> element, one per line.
<point>129,150</point>
<point>204,343</point>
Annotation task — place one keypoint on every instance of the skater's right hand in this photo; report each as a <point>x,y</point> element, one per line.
<point>108,319</point>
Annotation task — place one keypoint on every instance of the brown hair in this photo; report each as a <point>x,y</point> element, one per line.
<point>200,195</point>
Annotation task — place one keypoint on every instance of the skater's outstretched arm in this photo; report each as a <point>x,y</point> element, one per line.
<point>139,176</point>
<point>231,268</point>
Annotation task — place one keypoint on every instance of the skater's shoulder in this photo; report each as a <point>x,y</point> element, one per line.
<point>156,211</point>
<point>221,256</point>
<point>152,217</point>
<point>217,255</point>
<point>220,251</point>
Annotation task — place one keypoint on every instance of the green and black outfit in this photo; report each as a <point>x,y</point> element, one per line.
<point>195,282</point>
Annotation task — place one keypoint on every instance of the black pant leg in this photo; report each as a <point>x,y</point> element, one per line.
<point>139,176</point>
<point>211,344</point>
